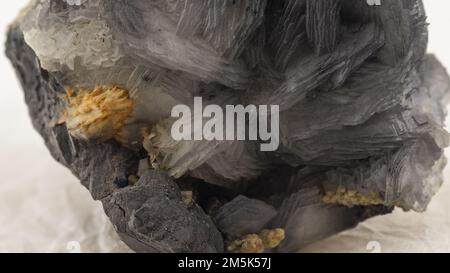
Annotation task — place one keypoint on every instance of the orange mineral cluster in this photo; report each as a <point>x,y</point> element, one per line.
<point>99,114</point>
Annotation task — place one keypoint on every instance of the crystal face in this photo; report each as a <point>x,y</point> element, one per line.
<point>362,110</point>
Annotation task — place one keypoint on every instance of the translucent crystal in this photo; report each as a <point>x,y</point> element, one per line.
<point>361,121</point>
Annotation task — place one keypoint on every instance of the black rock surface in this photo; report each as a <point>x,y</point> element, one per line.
<point>150,216</point>
<point>361,122</point>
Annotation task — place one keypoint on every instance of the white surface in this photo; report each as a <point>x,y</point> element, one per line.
<point>43,208</point>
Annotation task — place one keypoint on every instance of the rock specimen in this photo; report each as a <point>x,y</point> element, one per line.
<point>361,122</point>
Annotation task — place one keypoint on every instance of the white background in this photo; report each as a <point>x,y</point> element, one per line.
<point>43,207</point>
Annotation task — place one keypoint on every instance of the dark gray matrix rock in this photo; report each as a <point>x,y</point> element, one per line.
<point>361,121</point>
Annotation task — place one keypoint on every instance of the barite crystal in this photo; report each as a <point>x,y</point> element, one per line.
<point>362,110</point>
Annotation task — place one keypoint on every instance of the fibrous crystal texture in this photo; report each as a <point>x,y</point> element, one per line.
<point>362,111</point>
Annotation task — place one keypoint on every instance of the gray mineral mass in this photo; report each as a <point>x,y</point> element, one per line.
<point>361,114</point>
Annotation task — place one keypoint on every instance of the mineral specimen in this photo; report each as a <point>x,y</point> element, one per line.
<point>362,111</point>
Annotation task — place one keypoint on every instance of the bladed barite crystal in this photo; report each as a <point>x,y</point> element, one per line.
<point>361,122</point>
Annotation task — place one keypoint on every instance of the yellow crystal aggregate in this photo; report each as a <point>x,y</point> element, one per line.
<point>258,243</point>
<point>350,198</point>
<point>98,114</point>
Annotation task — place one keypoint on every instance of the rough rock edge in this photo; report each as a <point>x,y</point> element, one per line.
<point>103,177</point>
<point>101,168</point>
